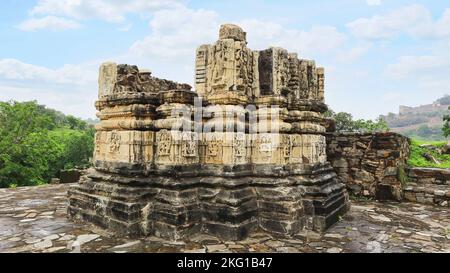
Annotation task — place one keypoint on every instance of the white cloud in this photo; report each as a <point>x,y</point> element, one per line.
<point>386,26</point>
<point>49,22</point>
<point>53,14</point>
<point>352,54</point>
<point>125,28</point>
<point>415,20</point>
<point>427,75</point>
<point>442,26</point>
<point>12,69</point>
<point>373,2</point>
<point>71,89</point>
<point>76,101</point>
<point>176,33</point>
<point>108,10</point>
<point>413,66</point>
<point>169,49</point>
<point>307,43</point>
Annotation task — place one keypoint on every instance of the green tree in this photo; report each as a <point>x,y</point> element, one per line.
<point>36,143</point>
<point>446,128</point>
<point>371,126</point>
<point>345,123</point>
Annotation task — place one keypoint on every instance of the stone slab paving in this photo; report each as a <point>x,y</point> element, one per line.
<point>33,219</point>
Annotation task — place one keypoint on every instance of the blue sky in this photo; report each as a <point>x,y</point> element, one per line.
<point>377,53</point>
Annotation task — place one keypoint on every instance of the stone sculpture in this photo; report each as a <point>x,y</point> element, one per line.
<point>246,151</point>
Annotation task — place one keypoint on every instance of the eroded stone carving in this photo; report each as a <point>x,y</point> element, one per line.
<point>107,79</point>
<point>228,65</point>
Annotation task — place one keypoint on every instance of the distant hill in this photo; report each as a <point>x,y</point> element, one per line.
<point>422,122</point>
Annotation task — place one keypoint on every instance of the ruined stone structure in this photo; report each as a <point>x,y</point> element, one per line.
<point>428,186</point>
<point>223,160</point>
<point>372,165</point>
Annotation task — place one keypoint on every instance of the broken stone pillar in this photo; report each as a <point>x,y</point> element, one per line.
<point>246,152</point>
<point>227,66</point>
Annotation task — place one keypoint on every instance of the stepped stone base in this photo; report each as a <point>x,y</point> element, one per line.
<point>228,207</point>
<point>246,151</point>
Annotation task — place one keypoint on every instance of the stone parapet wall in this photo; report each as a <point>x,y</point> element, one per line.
<point>428,186</point>
<point>370,164</point>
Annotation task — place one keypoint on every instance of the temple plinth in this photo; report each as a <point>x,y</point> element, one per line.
<point>245,151</point>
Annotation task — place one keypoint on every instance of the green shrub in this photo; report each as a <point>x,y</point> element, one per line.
<point>416,158</point>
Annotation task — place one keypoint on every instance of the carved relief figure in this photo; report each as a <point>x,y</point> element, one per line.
<point>265,144</point>
<point>223,76</point>
<point>164,142</point>
<point>239,145</point>
<point>213,147</point>
<point>280,66</point>
<point>189,147</point>
<point>287,146</point>
<point>97,142</point>
<point>107,79</point>
<point>114,143</point>
<point>304,86</point>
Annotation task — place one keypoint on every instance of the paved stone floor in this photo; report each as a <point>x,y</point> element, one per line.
<point>34,220</point>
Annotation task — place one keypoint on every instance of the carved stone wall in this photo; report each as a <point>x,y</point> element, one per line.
<point>250,155</point>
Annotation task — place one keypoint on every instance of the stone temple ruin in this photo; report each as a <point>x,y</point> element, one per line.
<point>245,152</point>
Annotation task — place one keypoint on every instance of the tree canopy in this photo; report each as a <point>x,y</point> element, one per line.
<point>345,123</point>
<point>37,142</point>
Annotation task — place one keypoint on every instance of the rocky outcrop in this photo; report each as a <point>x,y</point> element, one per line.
<point>370,165</point>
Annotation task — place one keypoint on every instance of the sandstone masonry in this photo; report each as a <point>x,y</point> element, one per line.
<point>163,167</point>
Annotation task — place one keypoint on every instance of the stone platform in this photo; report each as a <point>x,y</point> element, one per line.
<point>34,219</point>
<point>232,207</point>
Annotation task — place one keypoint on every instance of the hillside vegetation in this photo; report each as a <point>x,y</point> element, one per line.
<point>421,148</point>
<point>37,142</point>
